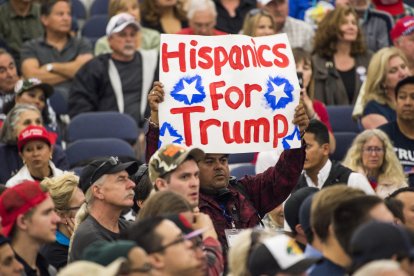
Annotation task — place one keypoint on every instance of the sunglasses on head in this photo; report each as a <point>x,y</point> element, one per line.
<point>111,160</point>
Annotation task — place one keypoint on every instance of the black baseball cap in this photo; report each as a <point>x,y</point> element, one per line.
<point>293,203</point>
<point>97,168</point>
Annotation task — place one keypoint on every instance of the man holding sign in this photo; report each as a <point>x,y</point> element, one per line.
<point>255,108</point>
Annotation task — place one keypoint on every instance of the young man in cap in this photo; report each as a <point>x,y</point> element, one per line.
<point>171,252</point>
<point>175,168</point>
<point>279,255</point>
<point>236,204</point>
<point>401,131</point>
<point>29,220</point>
<point>402,35</point>
<point>9,265</point>
<point>108,191</point>
<point>381,241</point>
<point>116,81</point>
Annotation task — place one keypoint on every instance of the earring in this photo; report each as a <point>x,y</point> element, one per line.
<point>50,157</point>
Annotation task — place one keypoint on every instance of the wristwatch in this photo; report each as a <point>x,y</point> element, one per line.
<point>49,67</point>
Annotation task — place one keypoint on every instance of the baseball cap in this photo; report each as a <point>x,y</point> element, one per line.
<point>31,83</point>
<point>169,157</point>
<point>305,214</point>
<point>31,133</point>
<point>119,22</point>
<point>378,240</point>
<point>277,254</point>
<point>105,252</point>
<point>394,7</point>
<point>89,268</point>
<point>108,165</point>
<point>18,200</point>
<point>292,205</point>
<point>404,26</point>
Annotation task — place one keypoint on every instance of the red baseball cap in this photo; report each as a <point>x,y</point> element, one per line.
<point>404,26</point>
<point>31,133</point>
<point>18,200</point>
<point>394,7</point>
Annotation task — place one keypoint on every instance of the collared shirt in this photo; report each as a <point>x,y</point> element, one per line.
<point>45,269</point>
<point>16,29</point>
<point>355,180</point>
<point>300,34</point>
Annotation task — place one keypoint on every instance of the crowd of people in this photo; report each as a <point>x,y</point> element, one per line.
<point>176,210</point>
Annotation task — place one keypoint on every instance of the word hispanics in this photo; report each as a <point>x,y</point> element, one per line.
<point>238,57</point>
<point>239,132</point>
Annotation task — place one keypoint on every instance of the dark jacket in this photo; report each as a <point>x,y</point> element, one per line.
<point>92,89</point>
<point>10,161</point>
<point>329,87</point>
<point>250,197</point>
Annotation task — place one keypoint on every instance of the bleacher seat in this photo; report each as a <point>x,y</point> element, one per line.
<point>59,103</point>
<point>99,7</point>
<point>242,170</point>
<point>343,143</point>
<point>341,120</point>
<point>81,152</point>
<point>95,28</point>
<point>236,158</point>
<point>78,9</point>
<point>109,124</point>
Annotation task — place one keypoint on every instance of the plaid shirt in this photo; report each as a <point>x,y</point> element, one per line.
<point>252,196</point>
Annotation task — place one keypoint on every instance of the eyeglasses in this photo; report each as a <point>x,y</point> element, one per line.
<point>253,12</point>
<point>371,150</point>
<point>112,160</point>
<point>181,239</point>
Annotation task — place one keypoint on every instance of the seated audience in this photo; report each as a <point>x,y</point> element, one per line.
<point>258,22</point>
<point>202,17</point>
<point>35,147</point>
<point>68,199</point>
<point>402,34</point>
<point>108,192</point>
<point>401,131</point>
<point>30,221</point>
<point>340,58</point>
<point>20,117</point>
<point>116,81</point>
<point>244,244</point>
<point>335,260</point>
<point>143,188</point>
<point>319,171</point>
<point>8,79</point>
<point>33,91</point>
<point>20,21</point>
<point>55,57</point>
<point>406,197</point>
<point>230,14</point>
<point>9,265</point>
<point>278,255</point>
<point>166,17</point>
<point>387,67</point>
<point>170,251</point>
<point>381,241</point>
<point>372,155</point>
<point>146,39</point>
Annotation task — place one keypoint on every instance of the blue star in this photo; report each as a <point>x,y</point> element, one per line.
<point>291,137</point>
<point>279,92</point>
<point>169,135</point>
<point>189,90</point>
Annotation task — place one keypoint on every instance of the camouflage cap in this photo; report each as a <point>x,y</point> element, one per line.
<point>169,157</point>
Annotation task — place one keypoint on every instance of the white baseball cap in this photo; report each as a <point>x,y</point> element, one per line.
<point>119,22</point>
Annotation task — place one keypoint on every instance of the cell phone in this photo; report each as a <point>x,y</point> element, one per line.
<point>300,79</point>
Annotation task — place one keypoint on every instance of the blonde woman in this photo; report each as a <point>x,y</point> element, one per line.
<point>258,22</point>
<point>373,155</point>
<point>387,67</point>
<point>147,39</point>
<point>68,199</point>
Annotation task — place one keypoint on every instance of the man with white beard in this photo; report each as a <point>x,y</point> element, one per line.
<point>116,81</point>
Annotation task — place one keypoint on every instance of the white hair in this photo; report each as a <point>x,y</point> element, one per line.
<point>377,268</point>
<point>200,5</point>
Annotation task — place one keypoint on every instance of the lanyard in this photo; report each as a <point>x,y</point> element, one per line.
<point>231,218</point>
